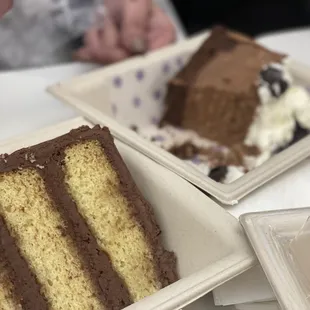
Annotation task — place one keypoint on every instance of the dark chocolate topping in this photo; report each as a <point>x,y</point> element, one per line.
<point>273,76</point>
<point>26,288</point>
<point>218,174</point>
<point>47,158</point>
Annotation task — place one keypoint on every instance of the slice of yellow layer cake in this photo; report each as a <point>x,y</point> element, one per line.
<point>75,231</point>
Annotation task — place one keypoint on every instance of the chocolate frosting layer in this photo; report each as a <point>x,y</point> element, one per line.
<point>26,288</point>
<point>165,261</point>
<point>47,158</point>
<point>110,288</point>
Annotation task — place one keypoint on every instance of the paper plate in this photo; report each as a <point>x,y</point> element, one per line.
<point>209,243</point>
<point>132,93</point>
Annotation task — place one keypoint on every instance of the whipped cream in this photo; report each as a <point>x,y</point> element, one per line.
<point>301,106</point>
<point>283,104</point>
<point>168,137</point>
<point>252,162</point>
<point>273,125</point>
<point>273,82</point>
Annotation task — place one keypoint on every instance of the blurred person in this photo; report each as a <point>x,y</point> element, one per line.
<point>5,5</point>
<point>45,32</point>
<point>128,27</point>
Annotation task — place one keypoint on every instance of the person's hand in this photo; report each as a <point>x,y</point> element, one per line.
<point>129,27</point>
<point>5,6</point>
<point>144,26</point>
<point>161,30</point>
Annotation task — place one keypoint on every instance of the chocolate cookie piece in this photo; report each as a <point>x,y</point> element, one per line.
<point>219,173</point>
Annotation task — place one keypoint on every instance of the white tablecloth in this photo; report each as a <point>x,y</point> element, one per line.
<point>25,107</point>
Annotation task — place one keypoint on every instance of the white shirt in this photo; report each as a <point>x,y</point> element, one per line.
<point>40,32</point>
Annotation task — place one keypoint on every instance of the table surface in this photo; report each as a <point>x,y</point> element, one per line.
<point>30,108</point>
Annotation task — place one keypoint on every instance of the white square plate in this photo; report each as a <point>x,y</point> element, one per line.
<point>271,235</point>
<point>132,92</point>
<point>209,243</point>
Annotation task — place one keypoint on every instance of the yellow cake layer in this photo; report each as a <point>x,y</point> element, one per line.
<point>94,186</point>
<point>34,223</point>
<point>7,300</point>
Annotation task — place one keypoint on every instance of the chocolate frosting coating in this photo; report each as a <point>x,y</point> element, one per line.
<point>26,287</point>
<point>47,158</point>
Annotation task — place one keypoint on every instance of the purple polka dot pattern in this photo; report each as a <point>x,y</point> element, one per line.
<point>136,102</point>
<point>138,98</point>
<point>179,62</point>
<point>157,95</point>
<point>118,82</point>
<point>158,138</point>
<point>195,160</point>
<point>166,68</point>
<point>154,120</point>
<point>142,89</point>
<point>140,75</point>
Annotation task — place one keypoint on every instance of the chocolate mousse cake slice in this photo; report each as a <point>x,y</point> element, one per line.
<point>216,93</point>
<point>75,232</point>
